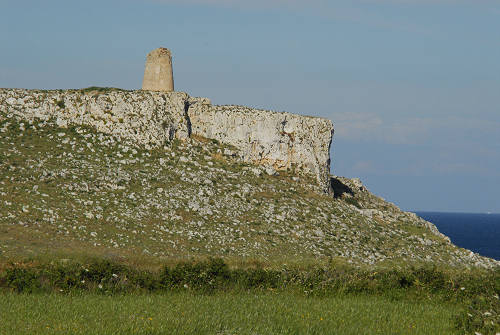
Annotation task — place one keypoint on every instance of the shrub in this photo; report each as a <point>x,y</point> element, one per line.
<point>204,275</point>
<point>99,89</point>
<point>352,201</point>
<point>22,280</point>
<point>60,104</point>
<point>256,278</point>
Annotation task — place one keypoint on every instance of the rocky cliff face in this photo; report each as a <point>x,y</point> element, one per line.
<point>144,117</point>
<point>279,140</point>
<point>282,140</point>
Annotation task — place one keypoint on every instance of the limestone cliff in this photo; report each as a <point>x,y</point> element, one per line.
<point>280,140</point>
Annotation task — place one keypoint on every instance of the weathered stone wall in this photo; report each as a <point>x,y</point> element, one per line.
<point>158,74</point>
<point>281,140</point>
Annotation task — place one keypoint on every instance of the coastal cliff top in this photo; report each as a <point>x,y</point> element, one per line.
<point>95,91</point>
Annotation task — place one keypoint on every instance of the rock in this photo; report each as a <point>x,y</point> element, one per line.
<point>61,122</point>
<point>319,233</point>
<point>143,117</point>
<point>228,152</point>
<point>281,140</point>
<point>256,171</point>
<point>270,171</point>
<point>358,184</point>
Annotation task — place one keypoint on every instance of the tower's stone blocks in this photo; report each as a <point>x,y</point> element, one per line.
<point>158,75</point>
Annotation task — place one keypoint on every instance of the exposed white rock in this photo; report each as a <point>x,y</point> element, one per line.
<point>279,141</point>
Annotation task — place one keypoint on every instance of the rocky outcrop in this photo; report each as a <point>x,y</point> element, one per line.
<point>147,118</point>
<point>283,141</point>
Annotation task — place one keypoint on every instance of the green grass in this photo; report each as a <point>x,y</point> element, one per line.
<point>97,89</point>
<point>222,313</point>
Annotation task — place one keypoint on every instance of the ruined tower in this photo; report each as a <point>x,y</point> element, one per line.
<point>158,75</point>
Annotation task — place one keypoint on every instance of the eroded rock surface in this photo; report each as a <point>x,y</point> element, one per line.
<point>281,141</point>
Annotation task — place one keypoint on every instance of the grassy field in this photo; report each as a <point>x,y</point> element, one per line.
<point>221,313</point>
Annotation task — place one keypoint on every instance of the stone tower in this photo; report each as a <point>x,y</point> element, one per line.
<point>158,75</point>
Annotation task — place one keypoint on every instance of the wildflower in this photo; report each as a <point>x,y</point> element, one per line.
<point>100,286</point>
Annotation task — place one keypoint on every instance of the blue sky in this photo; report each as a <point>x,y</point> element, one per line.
<point>412,86</point>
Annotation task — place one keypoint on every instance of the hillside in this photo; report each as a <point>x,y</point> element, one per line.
<point>70,190</point>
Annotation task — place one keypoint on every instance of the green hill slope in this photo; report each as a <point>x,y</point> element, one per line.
<point>74,191</point>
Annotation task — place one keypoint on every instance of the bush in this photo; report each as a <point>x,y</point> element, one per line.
<point>256,278</point>
<point>100,89</point>
<point>204,275</point>
<point>22,280</point>
<point>60,104</point>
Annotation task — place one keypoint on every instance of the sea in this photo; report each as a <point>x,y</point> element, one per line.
<point>474,231</point>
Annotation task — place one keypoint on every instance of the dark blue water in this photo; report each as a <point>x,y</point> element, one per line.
<point>477,232</point>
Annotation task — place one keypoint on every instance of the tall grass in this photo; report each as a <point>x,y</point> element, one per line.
<point>220,313</point>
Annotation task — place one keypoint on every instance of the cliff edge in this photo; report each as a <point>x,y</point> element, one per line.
<point>282,141</point>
